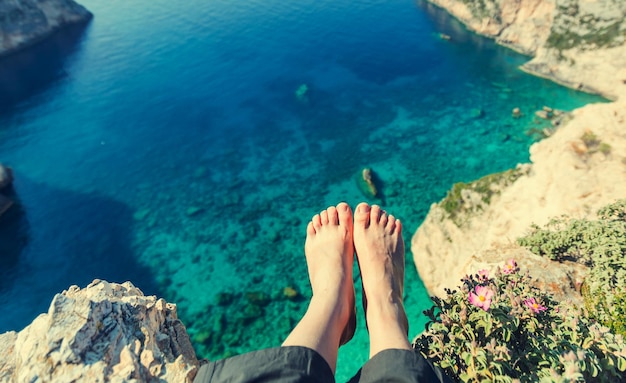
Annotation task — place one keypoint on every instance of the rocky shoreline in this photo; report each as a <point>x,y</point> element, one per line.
<point>26,22</point>
<point>570,45</point>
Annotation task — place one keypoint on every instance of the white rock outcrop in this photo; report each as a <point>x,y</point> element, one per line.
<point>106,332</point>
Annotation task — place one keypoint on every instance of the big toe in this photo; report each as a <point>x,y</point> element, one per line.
<point>362,215</point>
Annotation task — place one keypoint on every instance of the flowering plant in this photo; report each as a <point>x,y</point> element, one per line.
<point>503,329</point>
<point>598,244</point>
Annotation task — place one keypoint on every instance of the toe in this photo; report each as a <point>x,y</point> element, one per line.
<point>310,229</point>
<point>344,214</point>
<point>333,217</point>
<point>362,214</point>
<point>317,221</point>
<point>384,218</point>
<point>398,227</point>
<point>324,217</point>
<point>391,223</point>
<point>375,214</point>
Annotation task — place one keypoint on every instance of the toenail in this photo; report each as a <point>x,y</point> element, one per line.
<point>365,209</point>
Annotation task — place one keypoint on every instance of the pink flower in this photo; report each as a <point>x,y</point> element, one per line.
<point>481,297</point>
<point>510,267</point>
<point>535,307</point>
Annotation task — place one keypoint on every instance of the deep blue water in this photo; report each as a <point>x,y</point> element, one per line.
<point>164,144</point>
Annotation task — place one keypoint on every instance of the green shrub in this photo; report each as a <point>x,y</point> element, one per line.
<point>503,329</point>
<point>590,139</point>
<point>486,187</point>
<point>600,245</point>
<point>604,148</point>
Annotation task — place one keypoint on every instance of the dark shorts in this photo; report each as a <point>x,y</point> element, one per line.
<point>300,364</point>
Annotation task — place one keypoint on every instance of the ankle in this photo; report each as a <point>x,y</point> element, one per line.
<point>386,316</point>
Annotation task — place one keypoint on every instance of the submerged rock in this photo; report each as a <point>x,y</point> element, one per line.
<point>104,332</point>
<point>367,183</point>
<point>290,293</point>
<point>24,22</point>
<point>301,93</point>
<point>193,210</point>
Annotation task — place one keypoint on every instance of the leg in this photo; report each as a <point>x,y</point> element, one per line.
<point>330,318</point>
<point>380,253</point>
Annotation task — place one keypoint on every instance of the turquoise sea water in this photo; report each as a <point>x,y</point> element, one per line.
<point>165,144</point>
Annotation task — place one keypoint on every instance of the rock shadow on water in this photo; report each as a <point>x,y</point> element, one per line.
<point>13,238</point>
<point>52,239</point>
<point>32,69</point>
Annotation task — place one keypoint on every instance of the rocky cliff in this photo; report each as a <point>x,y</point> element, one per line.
<point>23,22</point>
<point>105,332</point>
<point>579,169</point>
<point>579,43</point>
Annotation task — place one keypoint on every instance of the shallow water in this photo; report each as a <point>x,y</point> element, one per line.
<point>166,145</point>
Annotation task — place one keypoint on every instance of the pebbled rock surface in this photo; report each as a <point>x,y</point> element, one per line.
<point>106,332</point>
<point>23,22</point>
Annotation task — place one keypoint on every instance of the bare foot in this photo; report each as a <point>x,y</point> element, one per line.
<point>380,253</point>
<point>330,319</point>
<point>329,253</point>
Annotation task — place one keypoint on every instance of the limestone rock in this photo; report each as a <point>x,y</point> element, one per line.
<point>106,332</point>
<point>523,25</point>
<point>23,22</point>
<point>562,181</point>
<point>7,350</point>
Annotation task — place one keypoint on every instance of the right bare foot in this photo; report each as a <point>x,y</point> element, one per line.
<point>380,254</point>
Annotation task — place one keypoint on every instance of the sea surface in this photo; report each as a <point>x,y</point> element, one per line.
<point>185,145</point>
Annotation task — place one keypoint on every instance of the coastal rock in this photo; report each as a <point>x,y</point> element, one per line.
<point>23,22</point>
<point>578,43</point>
<point>523,25</point>
<point>561,181</point>
<point>104,332</point>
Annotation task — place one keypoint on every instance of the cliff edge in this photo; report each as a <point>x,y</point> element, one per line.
<point>578,170</point>
<point>574,172</point>
<point>106,332</point>
<point>24,22</point>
